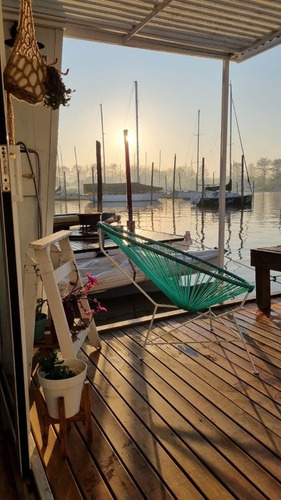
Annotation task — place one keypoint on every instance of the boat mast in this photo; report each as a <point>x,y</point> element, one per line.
<point>241,144</point>
<point>197,172</point>
<point>159,166</point>
<point>59,167</point>
<point>137,130</point>
<point>78,176</point>
<point>103,147</point>
<point>230,132</point>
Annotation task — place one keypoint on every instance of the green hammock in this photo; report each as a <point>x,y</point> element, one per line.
<point>191,283</point>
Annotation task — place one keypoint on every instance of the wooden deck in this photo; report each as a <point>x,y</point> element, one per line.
<point>81,243</point>
<point>183,423</point>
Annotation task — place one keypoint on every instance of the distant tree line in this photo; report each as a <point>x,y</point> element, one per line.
<point>268,174</point>
<point>265,175</point>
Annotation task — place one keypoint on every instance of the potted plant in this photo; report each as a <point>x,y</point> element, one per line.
<point>66,378</point>
<point>40,320</point>
<point>78,305</point>
<point>62,378</point>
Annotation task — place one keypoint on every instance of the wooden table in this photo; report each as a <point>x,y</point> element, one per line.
<point>264,260</point>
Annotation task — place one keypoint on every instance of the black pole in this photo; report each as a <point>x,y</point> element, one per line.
<point>174,176</point>
<point>151,184</point>
<point>99,175</point>
<point>130,222</point>
<point>93,185</point>
<point>242,180</point>
<point>203,180</point>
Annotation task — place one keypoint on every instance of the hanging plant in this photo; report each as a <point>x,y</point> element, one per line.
<point>56,93</point>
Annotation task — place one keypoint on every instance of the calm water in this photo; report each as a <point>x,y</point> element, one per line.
<point>258,226</point>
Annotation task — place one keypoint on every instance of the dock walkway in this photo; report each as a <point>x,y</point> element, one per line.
<point>86,244</point>
<point>181,424</point>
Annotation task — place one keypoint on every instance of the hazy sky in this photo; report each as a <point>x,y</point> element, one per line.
<point>171,88</point>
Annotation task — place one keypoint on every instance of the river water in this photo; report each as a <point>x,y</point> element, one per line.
<point>259,226</point>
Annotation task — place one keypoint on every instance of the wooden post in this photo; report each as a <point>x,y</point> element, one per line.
<point>93,185</point>
<point>64,185</point>
<point>151,184</point>
<point>78,177</point>
<point>99,175</point>
<point>174,176</point>
<point>130,222</point>
<point>242,181</point>
<point>203,180</point>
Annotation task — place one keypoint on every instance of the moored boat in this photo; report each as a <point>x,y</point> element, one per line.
<point>117,192</point>
<point>112,281</point>
<point>210,196</point>
<point>210,199</point>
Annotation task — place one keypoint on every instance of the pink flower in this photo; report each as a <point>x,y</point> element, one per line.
<point>92,279</point>
<point>101,308</point>
<point>87,287</point>
<point>75,299</point>
<point>98,309</point>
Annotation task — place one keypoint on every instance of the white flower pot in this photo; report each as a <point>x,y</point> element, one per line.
<point>69,388</point>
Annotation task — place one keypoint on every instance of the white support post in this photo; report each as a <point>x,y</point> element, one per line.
<point>223,148</point>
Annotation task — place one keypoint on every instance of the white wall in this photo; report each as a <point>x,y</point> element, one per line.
<point>37,127</point>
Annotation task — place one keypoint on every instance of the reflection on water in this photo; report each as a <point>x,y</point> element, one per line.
<point>254,227</point>
<point>228,232</point>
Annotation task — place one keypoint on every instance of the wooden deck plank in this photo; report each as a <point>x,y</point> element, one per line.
<point>84,468</point>
<point>183,419</point>
<point>59,475</point>
<point>234,353</point>
<point>186,422</point>
<point>147,454</point>
<point>228,384</point>
<point>193,398</point>
<point>115,475</point>
<point>221,361</point>
<point>258,329</point>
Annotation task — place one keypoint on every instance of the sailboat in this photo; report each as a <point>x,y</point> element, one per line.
<point>209,198</point>
<point>191,194</point>
<point>117,192</point>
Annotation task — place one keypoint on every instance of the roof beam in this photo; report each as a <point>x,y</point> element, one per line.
<point>146,20</point>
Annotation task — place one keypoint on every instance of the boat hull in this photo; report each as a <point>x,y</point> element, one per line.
<point>111,281</point>
<point>122,198</point>
<point>187,195</point>
<point>211,200</point>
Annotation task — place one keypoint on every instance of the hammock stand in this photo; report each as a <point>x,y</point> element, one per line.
<point>191,283</point>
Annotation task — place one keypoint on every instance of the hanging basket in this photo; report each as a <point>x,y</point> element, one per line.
<point>25,72</point>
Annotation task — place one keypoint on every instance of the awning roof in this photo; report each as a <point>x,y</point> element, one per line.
<point>234,29</point>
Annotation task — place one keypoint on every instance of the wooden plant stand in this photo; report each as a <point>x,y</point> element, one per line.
<point>84,415</point>
<point>50,261</point>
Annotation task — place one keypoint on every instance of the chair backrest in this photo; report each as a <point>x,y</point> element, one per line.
<point>191,283</point>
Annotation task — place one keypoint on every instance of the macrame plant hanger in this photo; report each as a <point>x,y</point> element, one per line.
<point>25,72</point>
